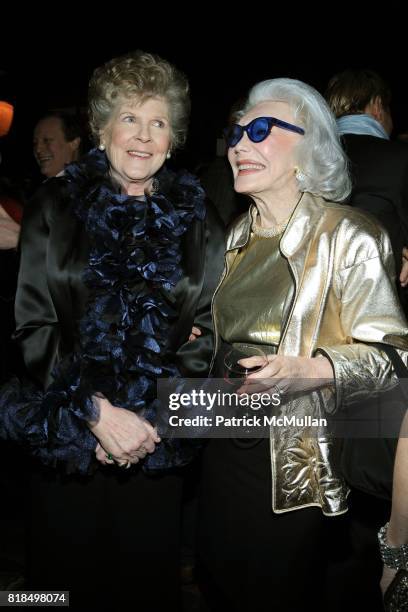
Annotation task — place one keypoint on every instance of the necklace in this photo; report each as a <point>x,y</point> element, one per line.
<point>275,230</point>
<point>267,232</point>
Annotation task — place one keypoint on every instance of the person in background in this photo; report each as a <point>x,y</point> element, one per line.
<point>12,462</point>
<point>361,102</point>
<point>57,142</point>
<point>10,220</point>
<point>393,536</point>
<point>11,212</point>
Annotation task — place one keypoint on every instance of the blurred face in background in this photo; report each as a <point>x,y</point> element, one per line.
<point>51,149</point>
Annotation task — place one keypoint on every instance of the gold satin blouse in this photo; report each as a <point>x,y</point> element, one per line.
<point>249,304</point>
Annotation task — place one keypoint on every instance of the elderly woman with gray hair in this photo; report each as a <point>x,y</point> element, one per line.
<point>310,282</point>
<point>114,274</point>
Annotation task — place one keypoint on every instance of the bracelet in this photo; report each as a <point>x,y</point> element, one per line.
<point>392,557</point>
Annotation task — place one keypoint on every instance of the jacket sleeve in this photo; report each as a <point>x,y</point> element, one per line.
<point>203,256</point>
<point>194,358</point>
<point>38,329</point>
<point>47,413</point>
<point>370,312</point>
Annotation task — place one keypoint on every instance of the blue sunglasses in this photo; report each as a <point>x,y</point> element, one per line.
<point>258,129</point>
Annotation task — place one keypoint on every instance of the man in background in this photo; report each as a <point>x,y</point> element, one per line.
<point>360,100</point>
<point>57,142</point>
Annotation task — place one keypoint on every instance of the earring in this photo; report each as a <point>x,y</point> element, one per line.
<point>155,186</point>
<point>299,174</point>
<point>168,155</point>
<point>101,147</point>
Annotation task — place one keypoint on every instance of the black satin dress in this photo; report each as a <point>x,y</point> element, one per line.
<point>112,538</point>
<point>51,296</point>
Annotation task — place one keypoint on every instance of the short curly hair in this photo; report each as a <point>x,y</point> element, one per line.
<point>142,75</point>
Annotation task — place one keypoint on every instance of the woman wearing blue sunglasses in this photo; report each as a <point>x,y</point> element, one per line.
<point>309,281</point>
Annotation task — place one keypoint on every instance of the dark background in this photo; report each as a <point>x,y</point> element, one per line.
<point>50,67</point>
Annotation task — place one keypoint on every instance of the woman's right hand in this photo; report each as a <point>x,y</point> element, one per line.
<point>292,373</point>
<point>121,433</point>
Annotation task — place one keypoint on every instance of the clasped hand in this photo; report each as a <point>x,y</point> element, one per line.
<point>122,434</point>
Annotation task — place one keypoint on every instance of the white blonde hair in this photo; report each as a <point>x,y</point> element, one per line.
<point>319,155</point>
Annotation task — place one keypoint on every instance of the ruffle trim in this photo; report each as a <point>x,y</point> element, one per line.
<point>133,265</point>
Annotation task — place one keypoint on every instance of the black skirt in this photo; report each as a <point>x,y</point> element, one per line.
<point>111,539</point>
<point>250,557</point>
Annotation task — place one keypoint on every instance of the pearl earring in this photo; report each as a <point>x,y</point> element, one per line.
<point>299,174</point>
<point>168,155</point>
<point>101,147</point>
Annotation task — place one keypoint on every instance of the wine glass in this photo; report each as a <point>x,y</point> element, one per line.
<point>235,374</point>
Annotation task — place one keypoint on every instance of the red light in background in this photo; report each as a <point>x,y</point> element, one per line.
<point>6,117</point>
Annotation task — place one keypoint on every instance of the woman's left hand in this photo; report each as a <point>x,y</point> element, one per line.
<point>287,374</point>
<point>103,456</point>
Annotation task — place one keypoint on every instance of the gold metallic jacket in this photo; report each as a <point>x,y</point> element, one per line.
<point>343,272</point>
